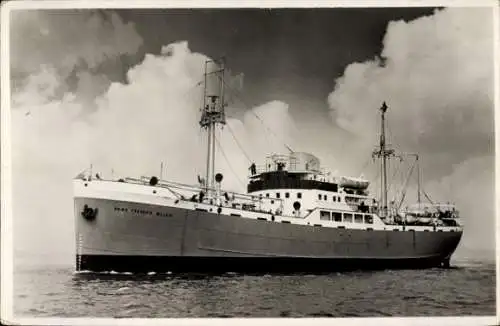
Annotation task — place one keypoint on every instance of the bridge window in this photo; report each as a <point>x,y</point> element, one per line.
<point>347,217</point>
<point>324,215</point>
<point>287,195</point>
<point>337,217</point>
<point>334,198</point>
<point>339,199</point>
<point>299,195</point>
<point>324,197</point>
<point>267,195</point>
<point>358,218</point>
<point>277,180</point>
<point>319,197</point>
<point>277,195</point>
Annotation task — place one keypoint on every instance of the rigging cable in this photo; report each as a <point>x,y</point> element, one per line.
<point>401,192</point>
<point>258,118</point>
<point>377,182</point>
<point>390,135</point>
<point>228,163</point>
<point>406,185</point>
<point>392,180</point>
<point>238,143</point>
<point>426,196</point>
<point>229,90</point>
<point>365,165</point>
<point>200,133</point>
<point>198,169</point>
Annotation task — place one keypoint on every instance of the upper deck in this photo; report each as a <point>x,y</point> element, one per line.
<point>299,171</point>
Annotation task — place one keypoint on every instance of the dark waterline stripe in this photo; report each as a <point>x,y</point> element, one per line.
<point>144,264</point>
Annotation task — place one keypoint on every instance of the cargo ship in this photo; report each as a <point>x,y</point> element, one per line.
<point>295,216</point>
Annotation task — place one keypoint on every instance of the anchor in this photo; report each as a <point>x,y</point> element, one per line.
<point>89,213</point>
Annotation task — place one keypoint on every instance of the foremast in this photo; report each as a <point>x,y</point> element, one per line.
<point>212,114</point>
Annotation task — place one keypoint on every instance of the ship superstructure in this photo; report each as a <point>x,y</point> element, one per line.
<point>296,216</point>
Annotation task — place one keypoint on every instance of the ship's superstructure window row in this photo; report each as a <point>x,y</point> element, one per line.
<point>337,198</point>
<point>345,217</point>
<point>299,195</point>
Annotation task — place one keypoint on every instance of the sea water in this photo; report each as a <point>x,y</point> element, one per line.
<point>466,289</point>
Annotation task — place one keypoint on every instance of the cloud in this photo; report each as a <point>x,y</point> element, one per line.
<point>438,86</point>
<point>70,42</point>
<point>436,74</point>
<point>66,38</point>
<point>39,87</point>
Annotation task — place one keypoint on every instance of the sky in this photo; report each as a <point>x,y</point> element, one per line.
<point>119,89</point>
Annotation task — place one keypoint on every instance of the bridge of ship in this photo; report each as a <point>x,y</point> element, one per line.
<point>304,164</point>
<point>303,171</point>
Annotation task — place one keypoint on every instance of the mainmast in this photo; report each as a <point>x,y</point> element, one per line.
<point>384,153</point>
<point>212,113</point>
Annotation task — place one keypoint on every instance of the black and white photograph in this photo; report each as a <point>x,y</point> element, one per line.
<point>228,162</point>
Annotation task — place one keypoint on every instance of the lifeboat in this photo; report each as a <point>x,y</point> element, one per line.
<point>410,218</point>
<point>418,215</point>
<point>425,220</point>
<point>353,183</point>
